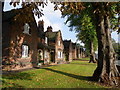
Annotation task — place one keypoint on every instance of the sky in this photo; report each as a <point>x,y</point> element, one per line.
<point>53,18</point>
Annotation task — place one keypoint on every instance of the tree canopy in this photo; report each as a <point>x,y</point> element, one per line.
<point>83,25</point>
<point>28,7</point>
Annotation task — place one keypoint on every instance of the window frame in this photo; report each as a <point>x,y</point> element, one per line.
<point>25,51</point>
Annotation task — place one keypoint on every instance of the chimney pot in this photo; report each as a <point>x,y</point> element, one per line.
<point>49,29</point>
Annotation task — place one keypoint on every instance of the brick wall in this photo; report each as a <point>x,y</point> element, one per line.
<point>59,48</point>
<point>14,38</point>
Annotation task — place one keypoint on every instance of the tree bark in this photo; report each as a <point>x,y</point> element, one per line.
<point>92,53</point>
<point>106,70</point>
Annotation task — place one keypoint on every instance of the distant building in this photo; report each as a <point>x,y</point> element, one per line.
<point>55,42</point>
<point>74,51</point>
<point>68,50</point>
<point>78,51</point>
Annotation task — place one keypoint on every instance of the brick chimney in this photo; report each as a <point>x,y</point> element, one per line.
<point>49,29</point>
<point>41,26</point>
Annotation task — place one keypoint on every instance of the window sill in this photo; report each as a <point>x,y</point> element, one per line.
<point>25,57</point>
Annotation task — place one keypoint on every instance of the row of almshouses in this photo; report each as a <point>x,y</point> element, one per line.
<point>26,44</point>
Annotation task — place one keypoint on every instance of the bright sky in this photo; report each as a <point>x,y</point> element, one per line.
<point>53,18</point>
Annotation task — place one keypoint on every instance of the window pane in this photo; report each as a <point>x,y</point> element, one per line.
<point>61,54</point>
<point>26,51</point>
<point>59,43</point>
<point>23,51</point>
<point>26,28</point>
<point>45,54</point>
<point>46,40</point>
<point>58,54</point>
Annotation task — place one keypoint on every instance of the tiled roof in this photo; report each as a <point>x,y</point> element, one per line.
<point>73,45</point>
<point>41,35</point>
<point>8,15</point>
<point>66,43</point>
<point>51,36</point>
<point>43,46</point>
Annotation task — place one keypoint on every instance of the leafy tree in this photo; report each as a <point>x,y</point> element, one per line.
<point>108,71</point>
<point>114,22</point>
<point>28,6</point>
<point>101,13</point>
<point>86,31</point>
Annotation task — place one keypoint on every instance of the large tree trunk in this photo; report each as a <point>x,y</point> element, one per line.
<point>92,53</point>
<point>106,70</point>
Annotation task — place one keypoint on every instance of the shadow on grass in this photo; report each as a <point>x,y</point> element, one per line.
<point>10,85</point>
<point>21,76</point>
<point>71,75</point>
<point>7,83</point>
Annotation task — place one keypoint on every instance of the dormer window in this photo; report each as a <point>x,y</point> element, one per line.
<point>58,43</point>
<point>46,39</point>
<point>26,28</point>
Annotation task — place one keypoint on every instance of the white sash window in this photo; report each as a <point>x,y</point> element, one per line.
<point>58,43</point>
<point>45,54</point>
<point>24,51</point>
<point>60,54</point>
<point>46,40</point>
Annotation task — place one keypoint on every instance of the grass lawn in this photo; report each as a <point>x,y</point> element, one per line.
<point>73,75</point>
<point>86,58</point>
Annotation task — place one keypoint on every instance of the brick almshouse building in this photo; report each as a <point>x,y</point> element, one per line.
<point>24,45</point>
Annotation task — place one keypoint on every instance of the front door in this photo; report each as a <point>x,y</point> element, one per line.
<point>52,57</point>
<point>40,54</point>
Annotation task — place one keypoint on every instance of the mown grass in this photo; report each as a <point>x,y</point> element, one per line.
<point>73,75</point>
<point>86,58</point>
